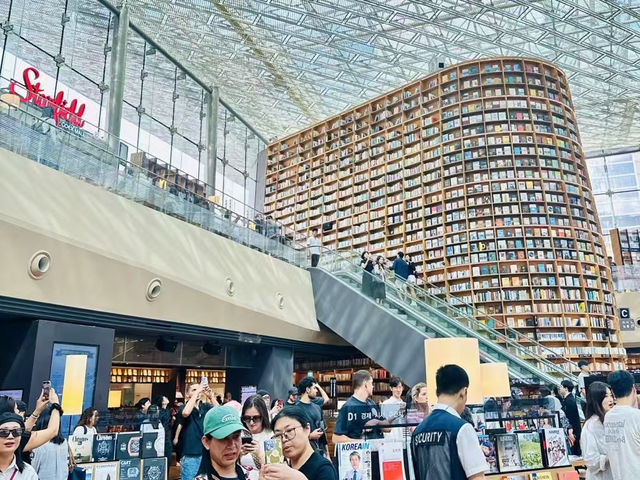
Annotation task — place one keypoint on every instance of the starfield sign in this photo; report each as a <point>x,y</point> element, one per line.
<point>62,109</point>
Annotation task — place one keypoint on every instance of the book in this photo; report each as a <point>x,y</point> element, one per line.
<point>508,452</point>
<point>273,451</point>
<point>130,469</point>
<point>106,471</point>
<point>530,450</point>
<point>555,449</point>
<point>81,447</point>
<point>354,459</point>
<point>391,461</point>
<point>154,469</point>
<point>152,444</point>
<point>489,450</point>
<point>128,445</point>
<point>540,476</point>
<point>104,447</point>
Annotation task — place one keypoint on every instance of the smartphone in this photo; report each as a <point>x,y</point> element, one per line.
<point>247,439</point>
<point>273,451</point>
<point>279,403</point>
<point>46,387</point>
<point>204,381</point>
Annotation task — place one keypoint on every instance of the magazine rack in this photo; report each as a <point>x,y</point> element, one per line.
<point>559,473</point>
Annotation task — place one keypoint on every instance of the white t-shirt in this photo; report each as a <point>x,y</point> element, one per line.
<point>314,246</point>
<point>396,434</point>
<point>471,457</point>
<point>622,442</point>
<point>593,450</point>
<point>80,430</point>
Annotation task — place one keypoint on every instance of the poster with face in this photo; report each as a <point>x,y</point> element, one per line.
<point>354,461</point>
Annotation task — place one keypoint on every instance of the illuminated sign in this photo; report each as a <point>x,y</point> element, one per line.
<point>62,110</point>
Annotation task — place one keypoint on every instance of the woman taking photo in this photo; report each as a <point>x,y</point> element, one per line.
<point>164,415</point>
<point>255,418</point>
<point>51,460</point>
<point>379,278</point>
<point>292,427</point>
<point>599,402</point>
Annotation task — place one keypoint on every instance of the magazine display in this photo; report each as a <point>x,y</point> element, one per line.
<point>555,448</point>
<point>154,469</point>
<point>489,450</point>
<point>508,452</point>
<point>128,445</point>
<point>354,461</point>
<point>530,451</point>
<point>130,469</point>
<point>391,461</point>
<point>106,471</point>
<point>104,447</point>
<point>81,447</point>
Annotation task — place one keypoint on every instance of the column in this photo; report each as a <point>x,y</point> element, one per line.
<point>118,68</point>
<point>213,99</point>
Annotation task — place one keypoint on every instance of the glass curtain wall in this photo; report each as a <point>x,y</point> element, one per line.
<point>69,42</point>
<point>615,180</point>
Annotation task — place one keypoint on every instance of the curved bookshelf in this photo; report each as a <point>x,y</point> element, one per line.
<point>478,173</point>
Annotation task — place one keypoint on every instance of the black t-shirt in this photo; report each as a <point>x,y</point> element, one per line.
<point>318,468</point>
<point>352,417</point>
<point>192,429</point>
<point>314,413</point>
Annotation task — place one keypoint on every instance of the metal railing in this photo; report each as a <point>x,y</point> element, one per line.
<point>33,133</point>
<point>513,341</point>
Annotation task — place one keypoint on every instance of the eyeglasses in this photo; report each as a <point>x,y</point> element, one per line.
<point>287,434</point>
<point>252,419</point>
<point>16,433</point>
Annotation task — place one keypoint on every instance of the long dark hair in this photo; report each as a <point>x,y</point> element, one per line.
<point>7,404</point>
<point>157,401</point>
<point>141,402</point>
<point>595,395</point>
<point>43,422</point>
<point>85,417</point>
<point>257,402</point>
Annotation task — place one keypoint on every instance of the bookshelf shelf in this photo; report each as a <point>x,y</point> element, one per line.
<point>478,172</point>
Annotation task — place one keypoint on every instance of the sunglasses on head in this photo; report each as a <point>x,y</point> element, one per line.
<point>252,419</point>
<point>16,433</point>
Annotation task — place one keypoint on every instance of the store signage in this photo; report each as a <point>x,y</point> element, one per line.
<point>62,110</point>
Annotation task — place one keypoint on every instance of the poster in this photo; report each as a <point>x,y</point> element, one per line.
<point>58,363</point>
<point>130,469</point>
<point>391,461</point>
<point>81,447</point>
<point>508,452</point>
<point>106,471</point>
<point>555,448</point>
<point>354,461</point>
<point>104,447</point>
<point>489,450</point>
<point>246,392</point>
<point>128,445</point>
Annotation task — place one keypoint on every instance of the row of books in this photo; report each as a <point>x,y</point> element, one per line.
<point>132,469</point>
<point>106,447</point>
<point>512,452</point>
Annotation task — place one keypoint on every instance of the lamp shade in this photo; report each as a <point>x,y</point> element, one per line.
<point>495,380</point>
<point>115,399</point>
<point>463,352</point>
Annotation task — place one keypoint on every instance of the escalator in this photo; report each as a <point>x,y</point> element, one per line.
<point>392,333</point>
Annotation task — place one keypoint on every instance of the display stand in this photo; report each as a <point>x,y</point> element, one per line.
<point>554,472</point>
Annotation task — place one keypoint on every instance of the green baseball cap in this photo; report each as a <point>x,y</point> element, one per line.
<point>220,422</point>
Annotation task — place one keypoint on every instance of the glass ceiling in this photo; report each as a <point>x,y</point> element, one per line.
<point>285,64</point>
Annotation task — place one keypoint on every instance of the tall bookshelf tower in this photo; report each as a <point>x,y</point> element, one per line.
<point>477,172</point>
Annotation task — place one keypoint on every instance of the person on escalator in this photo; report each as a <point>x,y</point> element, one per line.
<point>412,279</point>
<point>401,268</point>
<point>367,274</point>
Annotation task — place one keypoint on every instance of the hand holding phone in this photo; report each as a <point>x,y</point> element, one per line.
<point>46,387</point>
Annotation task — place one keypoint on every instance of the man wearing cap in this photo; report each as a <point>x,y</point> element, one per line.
<point>293,396</point>
<point>222,429</point>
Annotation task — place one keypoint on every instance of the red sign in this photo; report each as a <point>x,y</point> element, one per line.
<point>62,110</point>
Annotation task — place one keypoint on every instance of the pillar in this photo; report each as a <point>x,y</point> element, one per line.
<point>213,99</point>
<point>118,68</point>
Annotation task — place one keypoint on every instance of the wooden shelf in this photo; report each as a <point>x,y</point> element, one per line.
<point>477,171</point>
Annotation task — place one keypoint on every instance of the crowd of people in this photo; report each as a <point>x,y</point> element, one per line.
<point>216,438</point>
<point>378,271</point>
